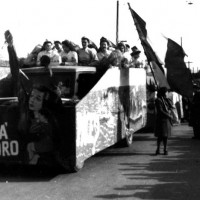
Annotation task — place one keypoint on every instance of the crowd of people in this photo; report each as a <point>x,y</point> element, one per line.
<point>66,53</point>
<point>39,107</point>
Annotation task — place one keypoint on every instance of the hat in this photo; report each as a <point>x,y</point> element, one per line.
<point>135,51</point>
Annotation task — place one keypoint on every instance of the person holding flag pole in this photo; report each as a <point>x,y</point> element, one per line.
<point>162,103</point>
<point>153,60</point>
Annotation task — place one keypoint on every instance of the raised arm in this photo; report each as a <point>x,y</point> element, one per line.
<point>13,60</point>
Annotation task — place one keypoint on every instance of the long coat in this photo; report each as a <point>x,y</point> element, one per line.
<point>163,117</point>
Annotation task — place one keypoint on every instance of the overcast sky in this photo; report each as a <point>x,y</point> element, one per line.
<point>33,21</point>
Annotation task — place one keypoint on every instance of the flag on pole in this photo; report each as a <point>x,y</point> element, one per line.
<point>153,60</point>
<point>139,23</point>
<point>178,75</point>
<point>159,76</point>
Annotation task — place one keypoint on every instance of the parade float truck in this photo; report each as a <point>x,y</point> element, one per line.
<point>96,114</point>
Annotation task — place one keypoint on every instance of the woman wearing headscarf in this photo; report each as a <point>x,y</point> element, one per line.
<point>163,105</point>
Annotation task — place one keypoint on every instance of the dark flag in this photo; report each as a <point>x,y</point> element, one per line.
<point>139,23</point>
<point>178,75</point>
<point>153,60</point>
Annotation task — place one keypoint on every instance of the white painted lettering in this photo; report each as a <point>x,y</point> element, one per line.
<point>14,148</point>
<point>5,150</point>
<point>3,133</point>
<point>7,147</point>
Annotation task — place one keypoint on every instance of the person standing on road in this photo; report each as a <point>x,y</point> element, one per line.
<point>163,119</point>
<point>195,114</point>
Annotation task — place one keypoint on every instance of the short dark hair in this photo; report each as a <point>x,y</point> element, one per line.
<point>121,44</point>
<point>57,42</point>
<point>68,44</point>
<point>47,42</point>
<point>45,61</point>
<point>51,101</point>
<point>103,39</point>
<point>85,38</point>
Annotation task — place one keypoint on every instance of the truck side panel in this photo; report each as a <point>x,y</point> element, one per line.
<point>118,99</point>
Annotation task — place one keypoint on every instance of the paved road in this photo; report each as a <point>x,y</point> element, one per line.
<point>133,173</point>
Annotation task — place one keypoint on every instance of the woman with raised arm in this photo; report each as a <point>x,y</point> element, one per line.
<point>37,121</point>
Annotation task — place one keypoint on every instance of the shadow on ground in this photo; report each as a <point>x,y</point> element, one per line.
<point>25,173</point>
<point>171,177</point>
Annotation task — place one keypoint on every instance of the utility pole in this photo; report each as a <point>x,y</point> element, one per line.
<point>181,42</point>
<point>188,63</point>
<point>117,23</point>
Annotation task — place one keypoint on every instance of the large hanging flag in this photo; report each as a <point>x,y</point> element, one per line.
<point>153,60</point>
<point>178,75</point>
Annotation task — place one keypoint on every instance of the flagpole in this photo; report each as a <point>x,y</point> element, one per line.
<point>144,42</point>
<point>138,28</point>
<point>153,75</point>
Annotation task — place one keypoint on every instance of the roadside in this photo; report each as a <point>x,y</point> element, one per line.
<point>133,173</point>
<point>171,177</point>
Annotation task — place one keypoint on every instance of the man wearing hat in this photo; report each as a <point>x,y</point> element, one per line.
<point>55,58</point>
<point>135,54</point>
